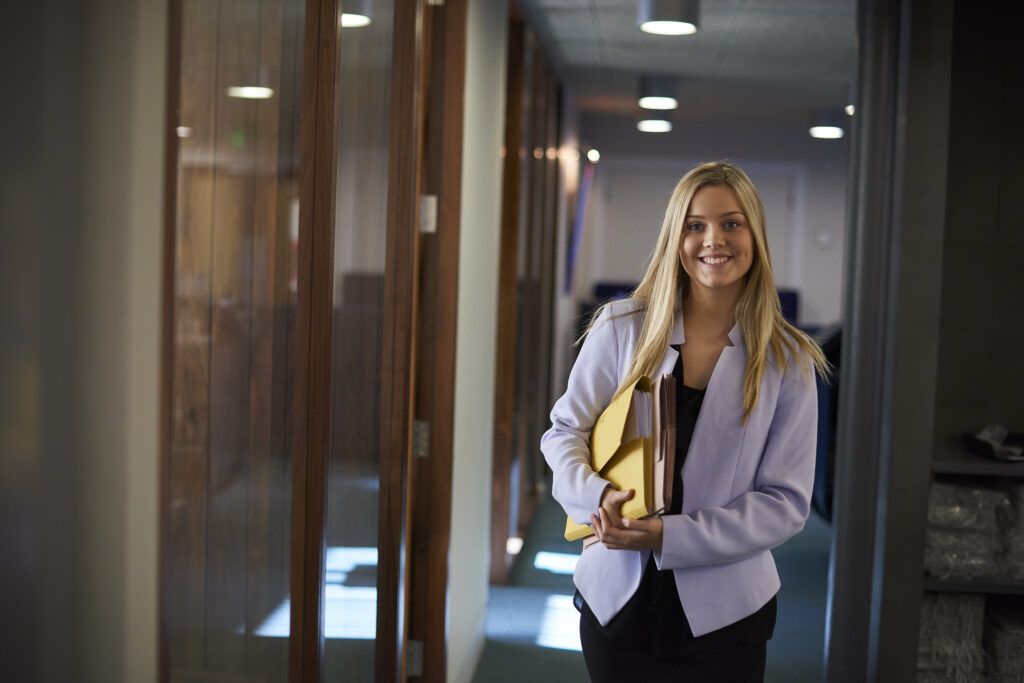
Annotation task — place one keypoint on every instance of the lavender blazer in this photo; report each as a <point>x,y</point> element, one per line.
<point>747,488</point>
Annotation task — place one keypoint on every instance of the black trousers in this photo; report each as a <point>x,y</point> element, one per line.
<point>734,663</point>
<point>650,640</point>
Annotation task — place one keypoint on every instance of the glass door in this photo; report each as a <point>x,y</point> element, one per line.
<point>353,472</point>
<point>294,196</point>
<point>235,227</point>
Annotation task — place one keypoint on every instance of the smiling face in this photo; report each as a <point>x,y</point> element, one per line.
<point>717,246</point>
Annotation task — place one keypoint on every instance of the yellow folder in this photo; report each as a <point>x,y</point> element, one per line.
<point>625,462</point>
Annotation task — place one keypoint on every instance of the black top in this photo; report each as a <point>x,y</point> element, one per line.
<point>653,620</point>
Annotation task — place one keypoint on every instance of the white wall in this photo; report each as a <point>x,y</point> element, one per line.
<point>804,202</point>
<point>476,337</point>
<point>119,300</point>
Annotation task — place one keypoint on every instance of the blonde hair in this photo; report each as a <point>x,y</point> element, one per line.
<point>758,311</point>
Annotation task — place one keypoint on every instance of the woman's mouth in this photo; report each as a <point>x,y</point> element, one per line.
<point>715,261</point>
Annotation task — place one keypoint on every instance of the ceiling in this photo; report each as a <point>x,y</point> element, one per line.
<point>751,60</point>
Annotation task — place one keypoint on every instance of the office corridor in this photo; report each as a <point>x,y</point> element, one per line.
<point>532,627</point>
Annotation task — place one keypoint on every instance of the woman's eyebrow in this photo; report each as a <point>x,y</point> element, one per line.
<point>727,213</point>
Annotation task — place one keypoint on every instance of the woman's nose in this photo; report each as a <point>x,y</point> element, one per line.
<point>713,235</point>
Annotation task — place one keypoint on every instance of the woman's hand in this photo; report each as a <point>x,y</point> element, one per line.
<point>622,533</point>
<point>611,502</point>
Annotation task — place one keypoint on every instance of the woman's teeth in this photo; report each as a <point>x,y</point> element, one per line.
<point>711,260</point>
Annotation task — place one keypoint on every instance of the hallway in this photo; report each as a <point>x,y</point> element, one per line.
<point>532,626</point>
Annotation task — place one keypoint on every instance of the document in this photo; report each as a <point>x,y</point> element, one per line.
<point>632,445</point>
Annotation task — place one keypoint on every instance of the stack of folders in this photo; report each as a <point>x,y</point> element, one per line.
<point>633,446</point>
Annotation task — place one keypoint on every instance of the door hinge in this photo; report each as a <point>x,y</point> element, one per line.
<point>428,213</point>
<point>436,3</point>
<point>420,438</point>
<point>414,658</point>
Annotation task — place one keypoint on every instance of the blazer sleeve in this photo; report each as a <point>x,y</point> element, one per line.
<point>592,384</point>
<point>775,510</point>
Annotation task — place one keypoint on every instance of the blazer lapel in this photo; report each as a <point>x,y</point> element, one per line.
<point>668,361</point>
<point>718,435</point>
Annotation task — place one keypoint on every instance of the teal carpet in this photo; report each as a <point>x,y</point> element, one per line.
<point>532,627</point>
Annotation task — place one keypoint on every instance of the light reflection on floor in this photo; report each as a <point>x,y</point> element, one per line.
<point>350,612</point>
<point>559,626</point>
<point>556,563</point>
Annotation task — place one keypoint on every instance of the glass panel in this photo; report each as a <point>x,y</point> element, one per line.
<point>235,236</point>
<point>350,571</point>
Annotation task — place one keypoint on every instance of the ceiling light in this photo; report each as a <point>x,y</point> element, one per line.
<point>826,132</point>
<point>355,20</point>
<point>654,125</point>
<point>250,92</point>
<point>658,92</point>
<point>594,156</point>
<point>827,124</point>
<point>358,13</point>
<point>850,110</point>
<point>668,17</point>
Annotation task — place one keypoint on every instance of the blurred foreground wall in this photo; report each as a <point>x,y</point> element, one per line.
<point>81,178</point>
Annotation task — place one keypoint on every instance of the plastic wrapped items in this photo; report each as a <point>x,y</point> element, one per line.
<point>1004,637</point>
<point>961,555</point>
<point>955,506</point>
<point>963,539</point>
<point>1013,530</point>
<point>949,645</point>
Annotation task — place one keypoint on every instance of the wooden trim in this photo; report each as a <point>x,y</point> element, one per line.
<point>397,354</point>
<point>311,404</point>
<point>548,286</point>
<point>167,332</point>
<point>505,360</point>
<point>436,314</point>
<point>529,372</point>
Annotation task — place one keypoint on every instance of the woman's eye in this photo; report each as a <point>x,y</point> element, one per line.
<point>694,226</point>
<point>732,225</point>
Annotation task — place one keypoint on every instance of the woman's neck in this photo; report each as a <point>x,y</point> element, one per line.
<point>709,314</point>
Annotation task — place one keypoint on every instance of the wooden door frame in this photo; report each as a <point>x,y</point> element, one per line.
<point>398,361</point>
<point>164,598</point>
<point>313,349</point>
<point>437,308</point>
<point>505,355</point>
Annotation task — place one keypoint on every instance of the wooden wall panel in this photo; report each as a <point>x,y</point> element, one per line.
<point>507,336</point>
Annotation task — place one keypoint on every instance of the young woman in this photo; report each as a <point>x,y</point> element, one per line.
<point>690,595</point>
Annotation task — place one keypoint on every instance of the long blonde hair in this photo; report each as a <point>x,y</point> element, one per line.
<point>759,313</point>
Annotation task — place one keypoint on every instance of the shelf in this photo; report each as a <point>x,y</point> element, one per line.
<point>988,586</point>
<point>953,459</point>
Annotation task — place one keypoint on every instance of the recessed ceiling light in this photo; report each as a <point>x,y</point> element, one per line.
<point>654,126</point>
<point>668,17</point>
<point>850,110</point>
<point>357,14</point>
<point>827,124</point>
<point>250,92</point>
<point>658,92</point>
<point>354,20</point>
<point>594,156</point>
<point>826,132</point>
<point>668,28</point>
<point>660,103</point>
